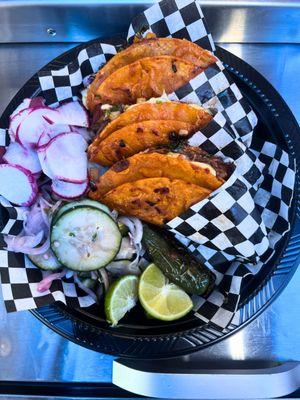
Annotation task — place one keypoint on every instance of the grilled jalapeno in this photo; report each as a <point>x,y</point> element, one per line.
<point>181,267</point>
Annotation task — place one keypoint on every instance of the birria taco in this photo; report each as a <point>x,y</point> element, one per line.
<point>144,126</point>
<point>146,69</point>
<point>158,185</point>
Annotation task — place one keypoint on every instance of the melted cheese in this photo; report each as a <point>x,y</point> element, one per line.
<point>162,99</point>
<point>206,166</point>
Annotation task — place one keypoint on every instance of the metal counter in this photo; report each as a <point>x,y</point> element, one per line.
<point>30,351</point>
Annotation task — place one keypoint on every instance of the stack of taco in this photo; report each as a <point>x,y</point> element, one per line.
<point>154,174</point>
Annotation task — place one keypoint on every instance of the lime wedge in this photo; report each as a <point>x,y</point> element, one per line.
<point>160,298</point>
<point>121,297</point>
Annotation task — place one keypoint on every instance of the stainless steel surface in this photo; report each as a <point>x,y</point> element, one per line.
<point>19,62</point>
<point>265,383</point>
<point>43,355</point>
<point>82,20</point>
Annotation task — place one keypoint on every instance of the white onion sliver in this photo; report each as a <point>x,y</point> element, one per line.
<point>136,231</point>
<point>138,234</point>
<point>18,243</point>
<point>39,250</point>
<point>84,288</point>
<point>105,279</point>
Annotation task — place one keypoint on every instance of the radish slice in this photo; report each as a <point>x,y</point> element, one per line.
<point>25,104</point>
<point>66,157</point>
<point>27,158</point>
<point>41,152</point>
<point>17,185</point>
<point>68,190</point>
<point>15,123</point>
<point>22,111</point>
<point>31,127</point>
<point>73,113</point>
<point>51,131</point>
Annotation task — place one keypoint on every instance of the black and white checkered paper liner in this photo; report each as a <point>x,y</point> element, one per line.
<point>235,230</point>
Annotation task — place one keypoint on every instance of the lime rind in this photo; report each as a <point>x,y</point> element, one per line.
<point>160,298</point>
<point>121,297</point>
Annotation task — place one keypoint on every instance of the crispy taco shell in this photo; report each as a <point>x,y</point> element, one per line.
<point>137,137</point>
<point>150,48</point>
<point>146,78</point>
<point>154,200</point>
<point>155,164</point>
<point>169,110</point>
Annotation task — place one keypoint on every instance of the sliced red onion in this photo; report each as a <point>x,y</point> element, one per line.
<point>34,221</point>
<point>84,288</point>
<point>45,202</point>
<point>46,282</point>
<point>26,244</point>
<point>39,250</point>
<point>104,277</point>
<point>18,243</point>
<point>45,208</point>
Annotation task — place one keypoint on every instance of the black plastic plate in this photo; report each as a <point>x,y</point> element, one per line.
<point>139,337</point>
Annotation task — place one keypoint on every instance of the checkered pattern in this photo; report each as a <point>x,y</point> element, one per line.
<point>174,18</point>
<point>215,89</point>
<point>235,230</point>
<point>65,84</point>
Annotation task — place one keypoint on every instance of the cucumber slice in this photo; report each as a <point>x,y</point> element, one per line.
<point>46,261</point>
<point>127,251</point>
<point>85,238</point>
<point>73,204</point>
